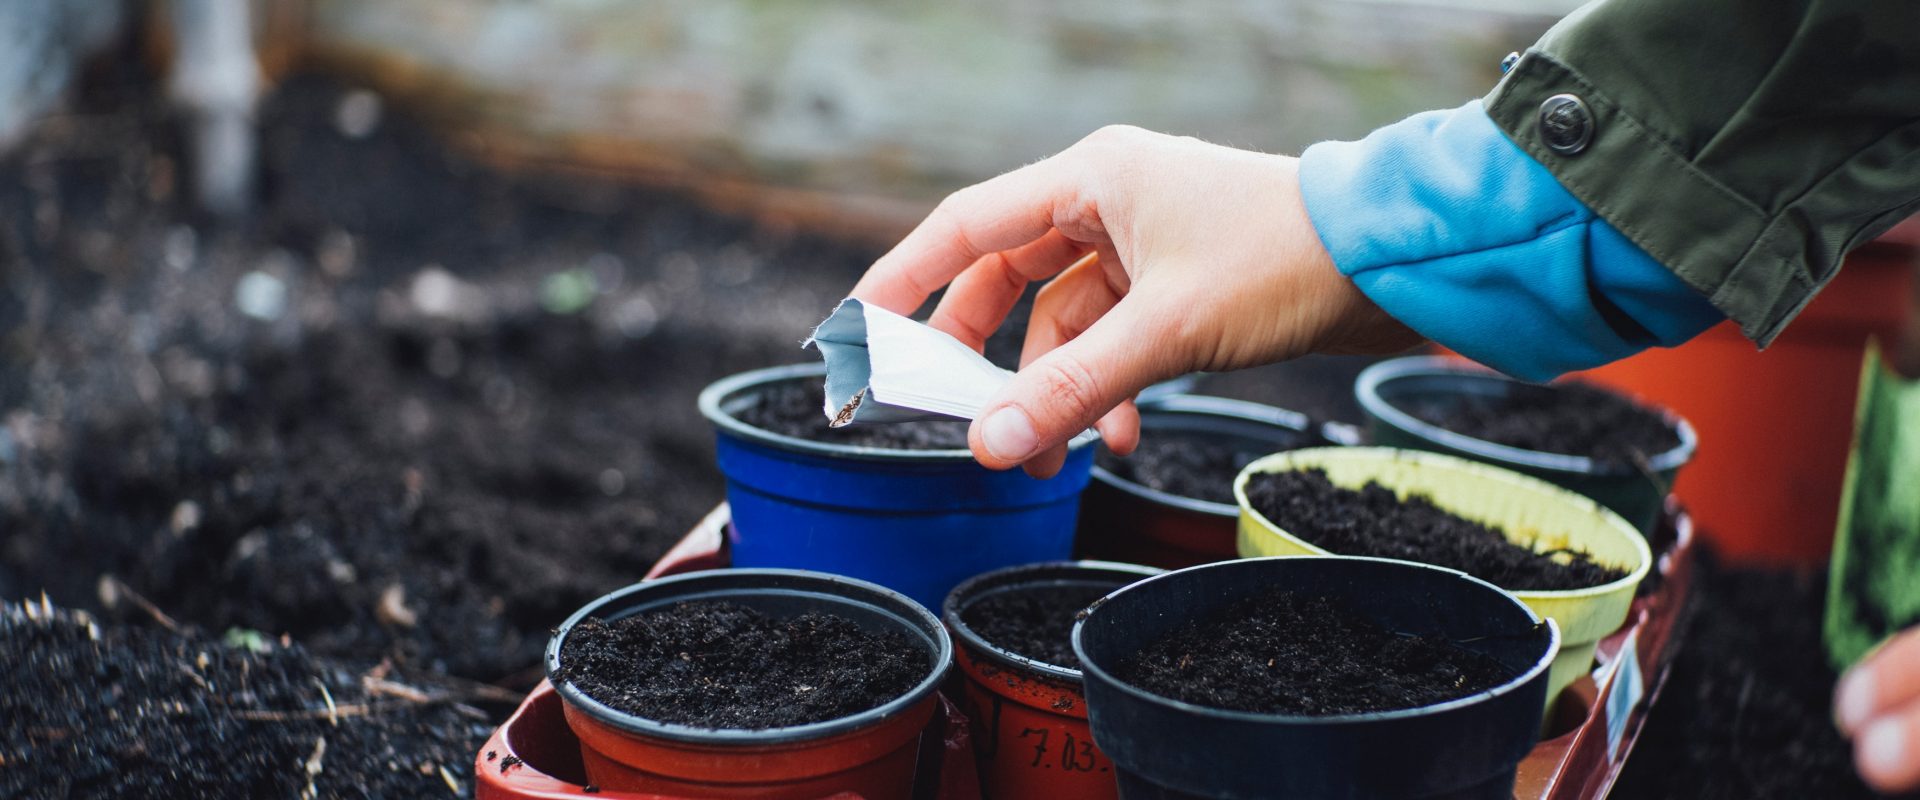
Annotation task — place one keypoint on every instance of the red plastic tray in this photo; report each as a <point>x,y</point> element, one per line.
<point>1589,739</point>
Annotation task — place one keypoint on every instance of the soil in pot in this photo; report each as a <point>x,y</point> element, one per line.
<point>1287,653</point>
<point>1033,621</point>
<point>1568,418</point>
<point>1195,464</point>
<point>793,409</point>
<point>714,664</point>
<point>1373,521</point>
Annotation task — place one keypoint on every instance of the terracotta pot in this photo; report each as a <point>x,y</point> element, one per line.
<point>1030,717</point>
<point>871,753</point>
<point>1775,425</point>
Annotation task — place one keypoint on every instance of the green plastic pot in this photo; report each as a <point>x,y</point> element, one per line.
<point>1529,510</point>
<point>1385,390</point>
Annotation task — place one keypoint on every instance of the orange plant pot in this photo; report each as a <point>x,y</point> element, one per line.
<point>871,754</point>
<point>1029,718</point>
<point>875,763</point>
<point>1774,426</point>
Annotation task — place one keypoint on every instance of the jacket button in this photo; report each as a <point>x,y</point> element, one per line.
<point>1506,64</point>
<point>1566,124</point>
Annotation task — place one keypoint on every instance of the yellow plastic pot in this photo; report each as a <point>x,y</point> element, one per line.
<point>1531,511</point>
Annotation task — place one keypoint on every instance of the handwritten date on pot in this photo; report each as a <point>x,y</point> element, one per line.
<point>1063,751</point>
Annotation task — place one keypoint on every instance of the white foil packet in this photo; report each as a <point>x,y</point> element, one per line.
<point>883,367</point>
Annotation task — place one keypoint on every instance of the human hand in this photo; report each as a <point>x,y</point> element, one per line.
<point>1877,704</point>
<point>1166,254</point>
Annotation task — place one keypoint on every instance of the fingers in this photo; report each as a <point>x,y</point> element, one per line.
<point>1120,428</point>
<point>1888,677</point>
<point>1878,704</point>
<point>1000,214</point>
<point>1071,387</point>
<point>1887,751</point>
<point>979,299</point>
<point>1067,306</point>
<point>1047,464</point>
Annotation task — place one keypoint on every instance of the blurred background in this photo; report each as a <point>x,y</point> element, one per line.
<point>357,337</point>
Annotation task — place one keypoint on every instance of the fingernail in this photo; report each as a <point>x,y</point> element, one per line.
<point>1883,746</point>
<point>1008,434</point>
<point>1854,702</point>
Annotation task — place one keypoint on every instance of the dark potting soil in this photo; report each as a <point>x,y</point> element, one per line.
<point>1288,653</point>
<point>98,709</point>
<point>1373,521</point>
<point>720,665</point>
<point>794,409</point>
<point>413,458</point>
<point>1747,711</point>
<point>1196,464</point>
<point>1033,621</point>
<point>1570,418</point>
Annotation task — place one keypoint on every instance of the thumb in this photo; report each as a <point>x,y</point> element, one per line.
<point>1064,392</point>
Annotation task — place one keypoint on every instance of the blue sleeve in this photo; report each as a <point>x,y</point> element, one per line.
<point>1455,231</point>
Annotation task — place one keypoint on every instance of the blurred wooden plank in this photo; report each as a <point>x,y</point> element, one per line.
<point>861,113</point>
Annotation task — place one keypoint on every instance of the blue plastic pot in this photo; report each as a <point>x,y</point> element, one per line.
<point>916,521</point>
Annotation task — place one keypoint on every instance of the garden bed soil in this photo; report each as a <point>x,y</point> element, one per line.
<point>714,664</point>
<point>793,409</point>
<point>1373,521</point>
<point>1570,418</point>
<point>1194,464</point>
<point>366,416</point>
<point>409,447</point>
<point>1747,711</point>
<point>102,710</point>
<point>1035,622</point>
<point>1287,653</point>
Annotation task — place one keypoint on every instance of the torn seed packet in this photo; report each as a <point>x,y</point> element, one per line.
<point>883,367</point>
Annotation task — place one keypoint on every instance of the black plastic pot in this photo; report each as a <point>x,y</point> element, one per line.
<point>1463,748</point>
<point>1123,520</point>
<point>1387,389</point>
<point>871,753</point>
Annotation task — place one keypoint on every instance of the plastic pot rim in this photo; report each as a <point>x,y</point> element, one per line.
<point>1203,406</point>
<point>1366,390</point>
<point>719,391</point>
<point>942,658</point>
<point>1538,668</point>
<point>951,609</point>
<point>1643,565</point>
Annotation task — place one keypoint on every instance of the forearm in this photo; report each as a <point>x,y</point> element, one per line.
<point>1452,229</point>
